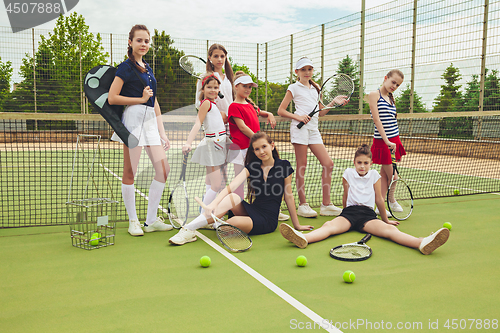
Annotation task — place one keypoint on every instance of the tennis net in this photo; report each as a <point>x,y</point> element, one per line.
<point>445,152</point>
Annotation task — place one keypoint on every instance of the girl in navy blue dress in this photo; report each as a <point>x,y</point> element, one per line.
<point>269,179</point>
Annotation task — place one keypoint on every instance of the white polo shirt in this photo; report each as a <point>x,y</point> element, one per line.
<point>361,192</point>
<point>305,100</point>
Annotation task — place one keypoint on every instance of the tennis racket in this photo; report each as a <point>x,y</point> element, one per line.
<point>233,238</point>
<point>195,66</point>
<point>178,203</point>
<point>335,91</point>
<point>357,251</point>
<point>399,196</point>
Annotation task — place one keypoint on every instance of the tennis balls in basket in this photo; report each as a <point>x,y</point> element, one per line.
<point>94,239</point>
<point>301,261</point>
<point>349,276</point>
<point>456,191</point>
<point>205,261</point>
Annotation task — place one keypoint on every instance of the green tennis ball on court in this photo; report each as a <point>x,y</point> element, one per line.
<point>94,239</point>
<point>349,276</point>
<point>456,191</point>
<point>447,225</point>
<point>205,261</point>
<point>301,261</point>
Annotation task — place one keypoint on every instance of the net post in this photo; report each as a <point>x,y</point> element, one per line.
<point>361,57</point>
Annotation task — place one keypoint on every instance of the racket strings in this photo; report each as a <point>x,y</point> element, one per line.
<point>233,238</point>
<point>352,251</point>
<point>400,192</point>
<point>338,86</point>
<point>178,206</point>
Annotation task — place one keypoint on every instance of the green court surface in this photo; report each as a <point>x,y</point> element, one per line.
<point>144,284</point>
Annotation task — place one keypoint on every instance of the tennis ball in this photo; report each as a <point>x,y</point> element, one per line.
<point>205,261</point>
<point>349,276</point>
<point>456,191</point>
<point>447,225</point>
<point>94,239</point>
<point>301,261</point>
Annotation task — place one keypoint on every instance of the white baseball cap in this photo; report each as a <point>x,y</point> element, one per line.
<point>304,61</point>
<point>245,79</point>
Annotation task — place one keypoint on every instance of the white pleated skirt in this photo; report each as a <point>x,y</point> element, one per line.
<point>141,122</point>
<point>211,151</point>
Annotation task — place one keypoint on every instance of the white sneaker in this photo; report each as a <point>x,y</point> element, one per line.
<point>386,211</point>
<point>330,210</point>
<point>183,236</point>
<point>283,217</point>
<point>305,211</point>
<point>395,206</point>
<point>158,225</point>
<point>294,236</point>
<point>432,242</point>
<point>134,228</point>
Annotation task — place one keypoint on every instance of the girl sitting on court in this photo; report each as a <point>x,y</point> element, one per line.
<point>386,134</point>
<point>361,191</point>
<point>211,152</point>
<point>142,117</point>
<point>304,94</point>
<point>268,178</point>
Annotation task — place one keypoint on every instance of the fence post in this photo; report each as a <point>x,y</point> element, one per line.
<point>361,58</point>
<point>291,68</point>
<point>483,66</point>
<point>257,90</point>
<point>34,73</point>
<point>266,77</point>
<point>111,49</point>
<point>322,52</point>
<point>82,108</point>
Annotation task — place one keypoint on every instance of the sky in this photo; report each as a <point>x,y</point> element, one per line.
<point>257,21</point>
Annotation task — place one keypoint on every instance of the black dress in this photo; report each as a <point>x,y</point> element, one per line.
<point>264,209</point>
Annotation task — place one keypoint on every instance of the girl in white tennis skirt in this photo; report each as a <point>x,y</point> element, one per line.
<point>211,152</point>
<point>142,117</point>
<point>361,191</point>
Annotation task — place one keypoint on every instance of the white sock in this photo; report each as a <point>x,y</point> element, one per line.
<point>197,223</point>
<point>128,193</point>
<point>155,193</point>
<point>208,198</point>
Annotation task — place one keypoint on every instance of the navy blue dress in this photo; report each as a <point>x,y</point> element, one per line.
<point>264,210</point>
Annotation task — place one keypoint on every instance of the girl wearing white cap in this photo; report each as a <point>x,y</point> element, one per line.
<point>243,119</point>
<point>304,94</point>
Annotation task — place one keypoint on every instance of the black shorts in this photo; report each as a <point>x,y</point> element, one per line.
<point>358,216</point>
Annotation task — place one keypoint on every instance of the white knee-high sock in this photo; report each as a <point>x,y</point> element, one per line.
<point>155,193</point>
<point>197,223</point>
<point>209,197</point>
<point>128,193</point>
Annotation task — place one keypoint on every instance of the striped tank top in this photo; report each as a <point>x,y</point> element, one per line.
<point>387,114</point>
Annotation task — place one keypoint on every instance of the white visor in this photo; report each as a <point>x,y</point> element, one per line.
<point>245,79</point>
<point>304,61</point>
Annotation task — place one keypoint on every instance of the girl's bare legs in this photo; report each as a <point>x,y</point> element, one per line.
<point>131,159</point>
<point>386,177</point>
<point>381,229</point>
<point>240,219</point>
<point>321,154</point>
<point>336,226</point>
<point>301,159</point>
<point>241,189</point>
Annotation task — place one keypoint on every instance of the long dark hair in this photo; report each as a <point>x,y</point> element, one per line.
<point>130,51</point>
<point>228,70</point>
<point>251,157</point>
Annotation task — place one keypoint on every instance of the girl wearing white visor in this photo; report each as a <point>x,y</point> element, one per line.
<point>304,94</point>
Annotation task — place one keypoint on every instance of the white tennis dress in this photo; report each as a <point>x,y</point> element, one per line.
<point>212,149</point>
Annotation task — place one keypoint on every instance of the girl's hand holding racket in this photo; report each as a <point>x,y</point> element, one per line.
<point>186,149</point>
<point>392,147</point>
<point>339,100</point>
<point>304,119</point>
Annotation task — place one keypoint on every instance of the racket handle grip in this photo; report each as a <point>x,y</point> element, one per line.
<point>221,96</point>
<point>393,157</point>
<point>300,124</point>
<point>310,115</point>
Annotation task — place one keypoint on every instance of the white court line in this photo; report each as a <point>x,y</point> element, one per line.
<point>271,286</point>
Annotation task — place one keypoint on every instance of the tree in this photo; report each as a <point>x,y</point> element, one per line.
<point>403,102</point>
<point>57,67</point>
<point>491,91</point>
<point>471,96</point>
<point>5,77</point>
<point>175,88</point>
<point>349,67</point>
<point>450,97</point>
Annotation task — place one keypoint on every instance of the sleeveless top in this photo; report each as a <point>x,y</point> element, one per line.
<point>387,114</point>
<point>213,122</point>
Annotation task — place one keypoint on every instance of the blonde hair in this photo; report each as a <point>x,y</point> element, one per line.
<point>239,74</point>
